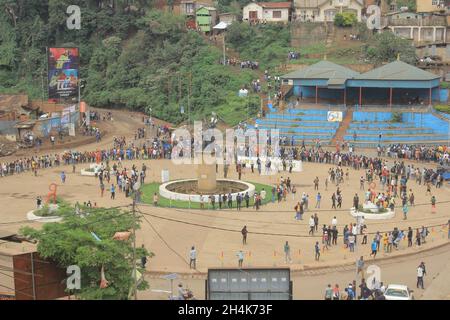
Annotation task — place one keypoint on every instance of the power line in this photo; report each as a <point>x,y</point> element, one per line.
<point>272,222</point>
<point>260,233</point>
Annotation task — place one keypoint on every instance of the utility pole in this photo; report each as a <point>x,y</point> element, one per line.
<point>134,246</point>
<point>189,96</point>
<point>224,49</point>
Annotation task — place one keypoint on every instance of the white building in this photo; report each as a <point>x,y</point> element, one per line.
<point>267,11</point>
<point>325,10</point>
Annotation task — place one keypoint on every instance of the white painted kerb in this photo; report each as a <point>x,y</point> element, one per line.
<point>196,197</point>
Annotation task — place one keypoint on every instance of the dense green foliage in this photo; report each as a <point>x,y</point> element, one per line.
<point>268,44</point>
<point>386,47</point>
<point>345,19</point>
<point>443,108</point>
<point>71,243</point>
<point>133,59</point>
<point>411,4</point>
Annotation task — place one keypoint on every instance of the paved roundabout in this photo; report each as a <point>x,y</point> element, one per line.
<point>170,232</point>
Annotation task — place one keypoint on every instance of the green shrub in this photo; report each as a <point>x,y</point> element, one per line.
<point>443,108</point>
<point>346,19</point>
<point>397,117</point>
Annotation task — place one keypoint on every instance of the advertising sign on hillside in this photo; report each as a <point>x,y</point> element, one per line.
<point>63,68</point>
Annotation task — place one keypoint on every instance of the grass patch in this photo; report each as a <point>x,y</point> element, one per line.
<point>443,108</point>
<point>380,210</point>
<point>150,189</point>
<point>63,208</point>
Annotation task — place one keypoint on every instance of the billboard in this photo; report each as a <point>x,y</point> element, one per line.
<point>334,116</point>
<point>63,73</point>
<point>249,284</point>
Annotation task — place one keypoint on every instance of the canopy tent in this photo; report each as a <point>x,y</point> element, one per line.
<point>221,26</point>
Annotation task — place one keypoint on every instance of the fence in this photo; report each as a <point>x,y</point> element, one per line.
<point>44,127</point>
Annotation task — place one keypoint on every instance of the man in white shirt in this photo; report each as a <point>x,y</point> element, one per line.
<point>263,194</point>
<point>334,222</point>
<point>192,258</point>
<point>311,224</point>
<point>420,274</point>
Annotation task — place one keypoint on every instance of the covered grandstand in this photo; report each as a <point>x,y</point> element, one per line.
<point>394,84</point>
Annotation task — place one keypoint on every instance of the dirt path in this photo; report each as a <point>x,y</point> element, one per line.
<point>125,123</point>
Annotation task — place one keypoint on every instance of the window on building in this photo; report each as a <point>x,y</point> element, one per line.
<point>276,14</point>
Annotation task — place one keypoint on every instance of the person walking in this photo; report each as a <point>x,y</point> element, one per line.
<point>316,222</point>
<point>336,292</point>
<point>421,272</point>
<point>311,225</point>
<point>193,258</point>
<point>317,251</point>
<point>63,177</point>
<point>240,256</point>
<point>433,204</point>
<point>247,200</point>
<point>328,293</point>
<point>244,232</point>
<point>113,192</point>
<point>405,211</point>
<point>374,247</point>
<point>287,253</point>
<point>102,189</point>
<point>351,242</point>
<point>318,198</point>
<point>143,259</point>
<point>333,201</point>
<point>410,237</point>
<point>360,266</point>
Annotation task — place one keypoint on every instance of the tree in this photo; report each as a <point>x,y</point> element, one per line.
<point>72,242</point>
<point>386,47</point>
<point>346,19</point>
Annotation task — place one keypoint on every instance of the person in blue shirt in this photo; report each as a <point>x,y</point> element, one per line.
<point>374,248</point>
<point>405,211</point>
<point>63,177</point>
<point>113,192</point>
<point>317,251</point>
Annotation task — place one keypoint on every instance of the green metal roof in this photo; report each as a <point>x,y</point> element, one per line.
<point>397,70</point>
<point>323,70</point>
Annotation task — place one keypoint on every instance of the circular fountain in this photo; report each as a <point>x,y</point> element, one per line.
<point>206,184</point>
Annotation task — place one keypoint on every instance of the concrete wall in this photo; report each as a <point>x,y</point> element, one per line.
<point>7,127</point>
<point>307,33</point>
<point>421,34</point>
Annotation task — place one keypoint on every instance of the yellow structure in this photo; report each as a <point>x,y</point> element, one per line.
<point>430,5</point>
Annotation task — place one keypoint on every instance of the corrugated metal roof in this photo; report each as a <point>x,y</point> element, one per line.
<point>323,70</point>
<point>317,3</point>
<point>275,4</point>
<point>397,70</point>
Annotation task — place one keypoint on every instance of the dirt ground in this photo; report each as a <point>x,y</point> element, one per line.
<point>169,233</point>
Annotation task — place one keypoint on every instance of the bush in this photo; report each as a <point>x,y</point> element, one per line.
<point>445,85</point>
<point>397,117</point>
<point>346,19</point>
<point>443,108</point>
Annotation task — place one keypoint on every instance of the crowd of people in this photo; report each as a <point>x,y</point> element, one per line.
<point>158,148</point>
<point>249,64</point>
<point>438,154</point>
<point>293,55</point>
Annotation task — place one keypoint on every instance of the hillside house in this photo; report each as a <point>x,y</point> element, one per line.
<point>257,12</point>
<point>325,10</point>
<point>205,19</point>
